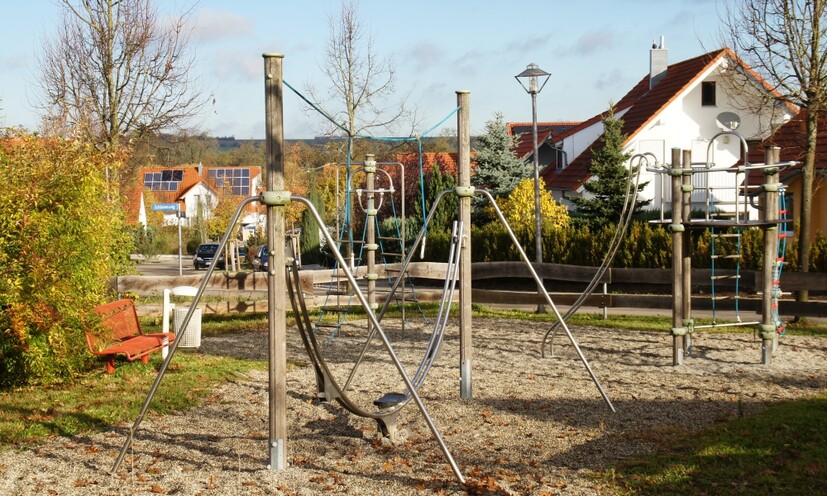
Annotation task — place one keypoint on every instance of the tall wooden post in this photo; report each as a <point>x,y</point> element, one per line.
<point>276,278</point>
<point>678,330</point>
<point>767,328</point>
<point>465,192</point>
<point>686,264</point>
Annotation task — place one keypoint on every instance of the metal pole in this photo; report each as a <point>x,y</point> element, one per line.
<point>464,182</point>
<point>371,246</point>
<point>180,254</point>
<point>686,263</point>
<point>678,330</point>
<point>538,222</point>
<point>276,277</point>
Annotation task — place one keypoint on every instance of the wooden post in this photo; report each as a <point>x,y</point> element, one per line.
<point>686,265</point>
<point>767,328</point>
<point>464,183</point>
<point>276,278</point>
<point>678,330</point>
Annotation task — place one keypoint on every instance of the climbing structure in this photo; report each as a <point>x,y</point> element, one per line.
<point>727,228</point>
<point>373,250</point>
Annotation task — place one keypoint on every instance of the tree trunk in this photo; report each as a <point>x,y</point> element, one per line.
<point>804,233</point>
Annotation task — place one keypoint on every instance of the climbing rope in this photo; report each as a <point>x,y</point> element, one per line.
<point>780,326</point>
<point>713,267</point>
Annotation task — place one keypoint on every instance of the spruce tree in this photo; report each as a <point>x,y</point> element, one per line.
<point>605,192</point>
<point>497,168</point>
<point>437,182</point>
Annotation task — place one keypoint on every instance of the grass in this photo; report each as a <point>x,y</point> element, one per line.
<point>781,450</point>
<point>98,400</point>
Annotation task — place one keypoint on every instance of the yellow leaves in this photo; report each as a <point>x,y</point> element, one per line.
<point>518,208</point>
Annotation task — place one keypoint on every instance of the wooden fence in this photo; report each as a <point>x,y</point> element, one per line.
<point>509,283</point>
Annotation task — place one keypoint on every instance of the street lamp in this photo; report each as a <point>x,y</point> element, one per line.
<point>532,75</point>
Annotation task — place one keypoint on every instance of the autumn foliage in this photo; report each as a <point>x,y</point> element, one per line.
<point>60,239</point>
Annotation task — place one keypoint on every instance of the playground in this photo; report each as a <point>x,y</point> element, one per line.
<point>535,419</point>
<point>535,426</point>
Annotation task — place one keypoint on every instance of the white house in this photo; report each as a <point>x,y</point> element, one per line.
<point>683,106</point>
<point>195,190</point>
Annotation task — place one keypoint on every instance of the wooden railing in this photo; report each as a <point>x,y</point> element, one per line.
<point>509,283</point>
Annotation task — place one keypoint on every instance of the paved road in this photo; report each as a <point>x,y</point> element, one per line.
<point>167,265</point>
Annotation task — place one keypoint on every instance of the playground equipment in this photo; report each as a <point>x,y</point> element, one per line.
<point>276,198</point>
<point>390,404</point>
<point>682,171</point>
<point>372,246</point>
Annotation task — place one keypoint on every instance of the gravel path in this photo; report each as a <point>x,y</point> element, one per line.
<point>536,426</point>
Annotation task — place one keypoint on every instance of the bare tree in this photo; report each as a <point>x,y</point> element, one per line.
<point>361,82</point>
<point>786,43</point>
<point>116,69</point>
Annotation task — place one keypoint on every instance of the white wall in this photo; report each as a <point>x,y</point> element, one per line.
<point>687,125</point>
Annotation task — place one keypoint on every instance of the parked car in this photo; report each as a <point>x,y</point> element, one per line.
<point>204,255</point>
<point>241,258</point>
<point>260,259</point>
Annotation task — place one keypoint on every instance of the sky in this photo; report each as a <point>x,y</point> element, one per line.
<point>596,50</point>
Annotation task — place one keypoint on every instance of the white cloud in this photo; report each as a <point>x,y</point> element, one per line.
<point>529,45</point>
<point>425,55</point>
<point>229,65</point>
<point>13,62</point>
<point>610,80</point>
<point>590,43</point>
<point>211,25</point>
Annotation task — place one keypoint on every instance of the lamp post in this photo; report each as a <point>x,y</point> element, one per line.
<point>532,75</point>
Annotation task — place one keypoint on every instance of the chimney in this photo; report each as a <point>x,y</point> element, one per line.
<point>200,169</point>
<point>658,62</point>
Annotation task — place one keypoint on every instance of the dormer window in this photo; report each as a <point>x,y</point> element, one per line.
<point>708,93</point>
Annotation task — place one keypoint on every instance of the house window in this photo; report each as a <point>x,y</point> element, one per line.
<point>235,180</point>
<point>708,93</point>
<point>167,180</point>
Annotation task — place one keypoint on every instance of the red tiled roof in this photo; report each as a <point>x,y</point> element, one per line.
<point>644,104</point>
<point>545,131</point>
<point>791,138</point>
<point>190,178</point>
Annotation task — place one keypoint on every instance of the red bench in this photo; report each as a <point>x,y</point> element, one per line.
<point>122,335</point>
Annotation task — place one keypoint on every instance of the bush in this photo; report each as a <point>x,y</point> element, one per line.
<point>60,239</point>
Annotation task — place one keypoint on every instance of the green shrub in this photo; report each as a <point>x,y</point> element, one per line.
<point>60,240</point>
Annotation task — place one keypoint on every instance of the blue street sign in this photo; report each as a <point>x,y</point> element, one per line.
<point>165,207</point>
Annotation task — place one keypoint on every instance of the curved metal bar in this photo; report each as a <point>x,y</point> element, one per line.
<point>395,285</point>
<point>441,322</point>
<point>623,224</point>
<point>547,296</point>
<point>176,342</point>
<point>378,327</point>
<point>745,149</point>
<point>381,191</point>
<point>431,350</point>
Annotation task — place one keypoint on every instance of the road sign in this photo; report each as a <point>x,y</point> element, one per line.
<point>165,207</point>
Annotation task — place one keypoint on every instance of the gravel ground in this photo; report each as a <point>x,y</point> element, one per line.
<point>535,426</point>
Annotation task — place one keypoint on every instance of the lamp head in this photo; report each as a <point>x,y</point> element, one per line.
<point>529,79</point>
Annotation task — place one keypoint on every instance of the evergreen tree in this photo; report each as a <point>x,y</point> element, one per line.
<point>602,203</point>
<point>497,168</point>
<point>446,212</point>
<point>310,241</point>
